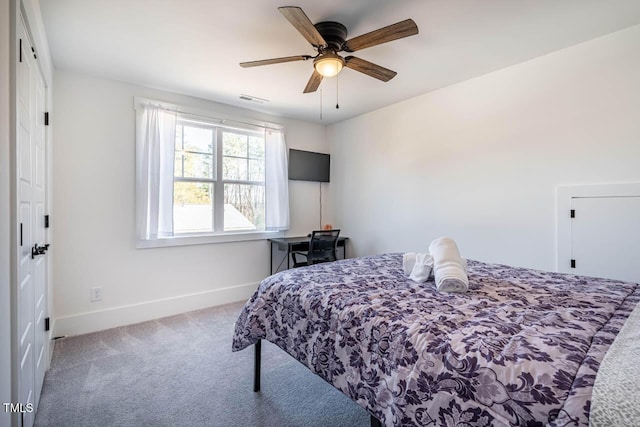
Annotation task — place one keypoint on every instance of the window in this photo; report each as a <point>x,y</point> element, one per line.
<point>204,176</point>
<point>194,178</point>
<point>243,180</point>
<point>202,186</point>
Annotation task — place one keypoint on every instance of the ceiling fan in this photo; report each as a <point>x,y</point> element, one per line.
<point>328,38</point>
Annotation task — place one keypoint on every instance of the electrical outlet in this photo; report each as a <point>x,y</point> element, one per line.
<point>96,294</point>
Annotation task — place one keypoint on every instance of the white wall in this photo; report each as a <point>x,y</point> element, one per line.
<point>94,226</point>
<point>305,196</point>
<point>5,215</point>
<point>480,161</point>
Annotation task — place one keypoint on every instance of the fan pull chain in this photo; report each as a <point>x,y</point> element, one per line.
<point>337,104</point>
<point>320,104</point>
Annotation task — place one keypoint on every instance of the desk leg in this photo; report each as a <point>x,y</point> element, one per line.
<point>271,258</point>
<point>288,255</point>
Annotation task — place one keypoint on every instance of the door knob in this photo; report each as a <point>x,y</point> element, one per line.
<point>39,250</point>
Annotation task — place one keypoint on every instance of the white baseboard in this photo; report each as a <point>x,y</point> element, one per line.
<point>94,321</point>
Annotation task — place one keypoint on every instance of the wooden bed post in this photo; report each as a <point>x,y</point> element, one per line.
<point>375,422</point>
<point>256,365</point>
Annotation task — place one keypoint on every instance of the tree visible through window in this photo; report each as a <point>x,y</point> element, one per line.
<point>212,192</point>
<point>243,176</point>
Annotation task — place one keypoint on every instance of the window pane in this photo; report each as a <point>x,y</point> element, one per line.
<point>243,207</point>
<point>177,165</point>
<point>256,147</point>
<point>198,139</point>
<point>234,169</point>
<point>256,170</point>
<point>192,207</point>
<point>234,144</point>
<point>198,165</point>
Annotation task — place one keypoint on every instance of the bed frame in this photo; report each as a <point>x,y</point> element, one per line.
<point>257,357</point>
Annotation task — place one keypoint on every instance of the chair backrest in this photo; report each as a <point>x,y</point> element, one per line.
<point>322,246</point>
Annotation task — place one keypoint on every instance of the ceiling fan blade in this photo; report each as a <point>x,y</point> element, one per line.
<point>274,61</point>
<point>301,22</point>
<point>392,32</point>
<point>314,82</point>
<point>369,68</point>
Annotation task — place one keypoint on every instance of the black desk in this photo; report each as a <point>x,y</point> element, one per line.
<point>297,244</point>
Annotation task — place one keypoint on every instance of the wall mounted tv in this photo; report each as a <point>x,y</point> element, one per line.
<point>308,166</point>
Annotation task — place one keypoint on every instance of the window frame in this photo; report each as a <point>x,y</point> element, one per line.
<point>182,120</point>
<point>218,121</point>
<point>217,180</point>
<point>222,182</point>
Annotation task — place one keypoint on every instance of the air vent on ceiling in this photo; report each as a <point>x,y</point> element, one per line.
<point>253,99</point>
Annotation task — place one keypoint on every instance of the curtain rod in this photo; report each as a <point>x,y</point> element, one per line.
<point>176,109</point>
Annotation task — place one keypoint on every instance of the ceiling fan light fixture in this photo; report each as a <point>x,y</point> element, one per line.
<point>328,64</point>
<point>328,38</point>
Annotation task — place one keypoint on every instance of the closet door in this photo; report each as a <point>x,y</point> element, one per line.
<point>38,192</point>
<point>605,237</point>
<point>30,195</point>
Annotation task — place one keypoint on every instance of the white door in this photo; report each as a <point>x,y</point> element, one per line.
<point>605,237</point>
<point>31,293</point>
<point>39,262</point>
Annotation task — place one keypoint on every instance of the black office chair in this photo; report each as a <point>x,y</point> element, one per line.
<point>322,248</point>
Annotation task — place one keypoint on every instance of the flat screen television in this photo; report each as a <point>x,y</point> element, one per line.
<point>308,166</point>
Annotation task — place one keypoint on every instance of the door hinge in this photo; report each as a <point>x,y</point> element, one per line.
<point>34,52</point>
<point>573,213</point>
<point>46,324</point>
<point>20,234</point>
<point>573,263</point>
<point>46,221</point>
<point>46,118</point>
<point>20,50</point>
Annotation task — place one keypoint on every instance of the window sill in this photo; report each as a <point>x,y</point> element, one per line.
<point>205,239</point>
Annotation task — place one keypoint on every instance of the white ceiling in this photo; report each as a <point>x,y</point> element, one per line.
<point>194,46</point>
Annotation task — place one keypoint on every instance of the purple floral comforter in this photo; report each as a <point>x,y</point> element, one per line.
<point>522,347</point>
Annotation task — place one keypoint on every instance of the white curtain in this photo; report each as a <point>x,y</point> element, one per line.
<point>276,181</point>
<point>155,141</point>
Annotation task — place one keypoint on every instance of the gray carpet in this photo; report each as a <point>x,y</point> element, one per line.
<point>180,371</point>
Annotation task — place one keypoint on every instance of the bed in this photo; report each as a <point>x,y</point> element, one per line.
<point>522,347</point>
